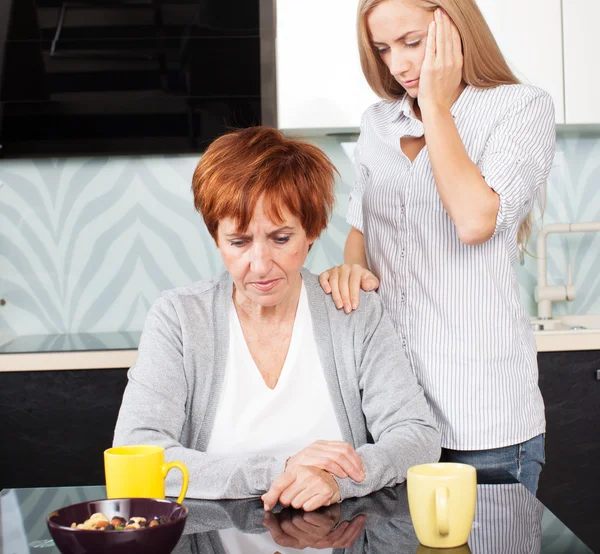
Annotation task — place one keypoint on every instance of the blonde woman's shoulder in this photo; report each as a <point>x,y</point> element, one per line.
<point>509,94</point>
<point>503,100</point>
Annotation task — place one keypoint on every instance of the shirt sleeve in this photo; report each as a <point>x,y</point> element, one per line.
<point>518,157</point>
<point>396,412</point>
<point>156,406</point>
<point>355,211</point>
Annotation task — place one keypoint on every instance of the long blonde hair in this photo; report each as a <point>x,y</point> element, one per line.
<point>484,65</point>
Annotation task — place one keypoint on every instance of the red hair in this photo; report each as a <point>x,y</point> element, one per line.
<point>239,168</point>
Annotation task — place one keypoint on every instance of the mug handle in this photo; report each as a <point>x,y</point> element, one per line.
<point>441,510</point>
<point>186,478</point>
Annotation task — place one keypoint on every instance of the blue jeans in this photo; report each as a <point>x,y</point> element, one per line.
<point>524,461</point>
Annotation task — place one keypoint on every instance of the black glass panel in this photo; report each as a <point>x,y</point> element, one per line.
<point>92,19</point>
<point>109,87</point>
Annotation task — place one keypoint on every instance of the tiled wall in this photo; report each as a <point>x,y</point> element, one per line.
<point>86,244</point>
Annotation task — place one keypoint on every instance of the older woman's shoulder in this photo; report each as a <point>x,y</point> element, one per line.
<point>198,288</point>
<point>195,298</point>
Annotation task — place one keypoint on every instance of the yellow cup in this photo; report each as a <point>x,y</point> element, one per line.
<point>441,498</point>
<point>464,549</point>
<point>139,472</point>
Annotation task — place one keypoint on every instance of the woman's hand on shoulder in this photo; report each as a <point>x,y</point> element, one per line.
<point>302,487</point>
<point>344,282</point>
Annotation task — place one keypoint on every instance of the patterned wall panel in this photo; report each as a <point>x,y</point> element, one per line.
<point>573,195</point>
<point>87,244</point>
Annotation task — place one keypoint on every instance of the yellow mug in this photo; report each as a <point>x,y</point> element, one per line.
<point>441,499</point>
<point>139,472</point>
<point>464,549</point>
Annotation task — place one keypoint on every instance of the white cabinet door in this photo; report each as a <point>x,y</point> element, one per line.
<point>530,36</point>
<point>320,84</point>
<point>582,60</point>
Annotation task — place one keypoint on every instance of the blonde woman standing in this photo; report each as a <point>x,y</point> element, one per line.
<point>449,165</point>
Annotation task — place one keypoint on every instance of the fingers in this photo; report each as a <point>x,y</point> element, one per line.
<point>325,463</point>
<point>334,284</point>
<point>278,534</point>
<point>272,496</point>
<point>356,278</point>
<point>336,457</point>
<point>324,281</point>
<point>328,517</point>
<point>447,37</point>
<point>440,46</point>
<point>311,489</point>
<point>312,527</point>
<point>344,284</point>
<point>343,454</point>
<point>303,497</point>
<point>316,502</point>
<point>334,538</point>
<point>304,533</point>
<point>350,533</point>
<point>430,44</point>
<point>369,282</point>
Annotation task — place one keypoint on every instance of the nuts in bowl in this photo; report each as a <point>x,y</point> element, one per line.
<point>99,522</point>
<point>152,526</point>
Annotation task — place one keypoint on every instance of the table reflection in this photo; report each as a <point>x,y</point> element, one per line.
<point>508,520</point>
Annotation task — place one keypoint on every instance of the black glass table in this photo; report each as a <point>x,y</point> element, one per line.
<point>508,520</point>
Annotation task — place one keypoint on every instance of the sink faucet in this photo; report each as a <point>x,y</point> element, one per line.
<point>544,294</point>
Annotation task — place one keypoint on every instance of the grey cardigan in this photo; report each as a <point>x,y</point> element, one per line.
<point>174,388</point>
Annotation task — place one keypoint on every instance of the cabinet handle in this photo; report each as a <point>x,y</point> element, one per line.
<point>598,375</point>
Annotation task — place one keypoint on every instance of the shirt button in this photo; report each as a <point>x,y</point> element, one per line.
<point>402,210</point>
<point>402,254</point>
<point>403,342</point>
<point>403,297</point>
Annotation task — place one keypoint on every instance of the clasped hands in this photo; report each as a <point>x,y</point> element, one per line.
<point>308,483</point>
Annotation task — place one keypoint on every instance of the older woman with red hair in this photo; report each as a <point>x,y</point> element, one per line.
<point>254,379</point>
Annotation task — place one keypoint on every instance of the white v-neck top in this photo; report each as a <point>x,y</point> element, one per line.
<point>251,418</point>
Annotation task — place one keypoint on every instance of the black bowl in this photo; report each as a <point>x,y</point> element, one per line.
<point>160,539</point>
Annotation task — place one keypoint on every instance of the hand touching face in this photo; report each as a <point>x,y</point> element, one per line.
<point>421,48</point>
<point>441,72</point>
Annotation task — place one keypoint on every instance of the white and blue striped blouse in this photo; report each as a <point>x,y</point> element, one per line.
<point>456,307</point>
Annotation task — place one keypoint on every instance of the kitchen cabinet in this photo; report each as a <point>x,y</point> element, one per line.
<point>569,484</point>
<point>320,84</point>
<point>582,68</point>
<point>529,35</point>
<point>57,424</point>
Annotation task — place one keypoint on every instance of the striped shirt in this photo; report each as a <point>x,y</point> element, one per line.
<point>456,307</point>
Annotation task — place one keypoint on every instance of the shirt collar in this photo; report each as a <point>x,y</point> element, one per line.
<point>404,107</point>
